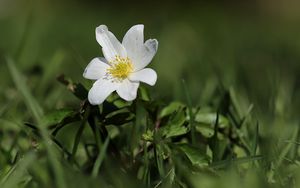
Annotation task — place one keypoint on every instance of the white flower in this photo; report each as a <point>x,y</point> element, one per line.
<point>123,67</point>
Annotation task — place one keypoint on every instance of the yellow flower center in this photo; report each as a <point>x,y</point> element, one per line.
<point>120,68</point>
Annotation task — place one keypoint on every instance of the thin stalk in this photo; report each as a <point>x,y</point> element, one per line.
<point>191,114</point>
<point>79,132</point>
<point>100,157</point>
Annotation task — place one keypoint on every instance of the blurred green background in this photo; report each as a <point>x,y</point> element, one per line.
<point>249,47</point>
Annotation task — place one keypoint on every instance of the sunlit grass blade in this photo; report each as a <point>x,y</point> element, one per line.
<point>168,180</point>
<point>228,162</point>
<point>19,81</point>
<point>287,148</point>
<point>255,139</point>
<point>15,175</point>
<point>100,157</point>
<point>36,110</point>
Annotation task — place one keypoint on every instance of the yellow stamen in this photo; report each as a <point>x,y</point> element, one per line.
<point>120,68</point>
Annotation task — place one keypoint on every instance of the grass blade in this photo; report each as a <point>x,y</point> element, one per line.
<point>191,114</point>
<point>14,177</point>
<point>37,112</point>
<point>224,163</point>
<point>100,158</point>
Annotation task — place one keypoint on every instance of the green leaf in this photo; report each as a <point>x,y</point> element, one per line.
<point>119,117</point>
<point>143,94</point>
<point>206,130</point>
<point>120,103</point>
<point>175,126</point>
<point>194,154</point>
<point>171,108</point>
<point>209,118</point>
<point>56,117</point>
<point>174,130</point>
<point>117,101</point>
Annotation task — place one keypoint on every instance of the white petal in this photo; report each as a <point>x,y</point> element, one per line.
<point>110,44</point>
<point>128,90</point>
<point>145,55</point>
<point>95,69</point>
<point>101,90</point>
<point>147,75</point>
<point>133,40</point>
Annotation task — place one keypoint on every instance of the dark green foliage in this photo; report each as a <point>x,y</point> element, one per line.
<point>145,141</point>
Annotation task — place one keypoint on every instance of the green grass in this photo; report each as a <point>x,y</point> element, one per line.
<point>224,112</point>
